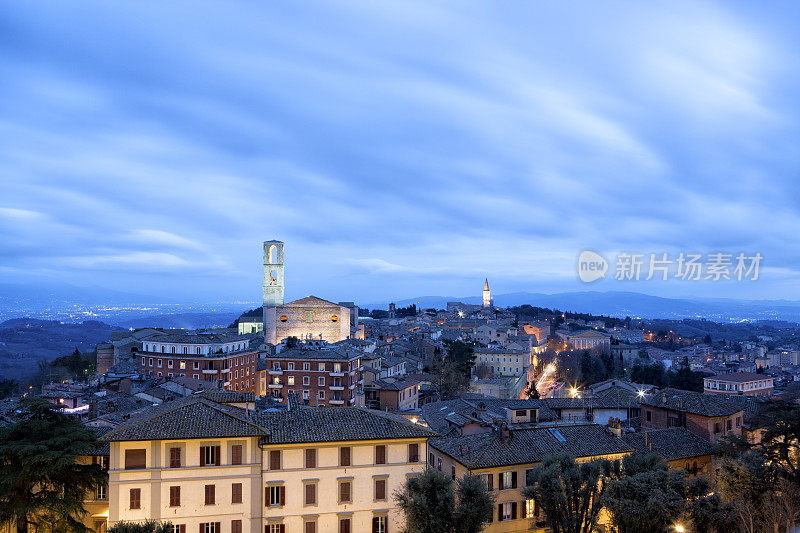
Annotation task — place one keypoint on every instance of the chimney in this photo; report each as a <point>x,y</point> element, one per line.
<point>615,426</point>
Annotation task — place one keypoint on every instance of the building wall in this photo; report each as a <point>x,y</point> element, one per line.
<point>237,370</point>
<point>702,426</point>
<point>312,322</point>
<point>278,383</point>
<point>762,387</point>
<point>255,476</point>
<point>155,481</point>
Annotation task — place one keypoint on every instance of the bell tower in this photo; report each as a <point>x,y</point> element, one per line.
<point>273,273</point>
<point>487,296</point>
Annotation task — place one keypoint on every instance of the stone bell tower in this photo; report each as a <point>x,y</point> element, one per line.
<point>273,273</point>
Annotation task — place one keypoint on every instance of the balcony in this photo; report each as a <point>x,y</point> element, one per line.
<point>275,372</point>
<point>210,371</point>
<point>225,370</point>
<point>336,387</point>
<point>273,385</point>
<point>336,374</point>
<point>336,402</point>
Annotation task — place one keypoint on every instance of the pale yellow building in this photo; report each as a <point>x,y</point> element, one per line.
<point>212,467</point>
<point>504,457</point>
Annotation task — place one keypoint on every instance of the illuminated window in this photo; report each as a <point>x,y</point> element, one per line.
<point>284,318</point>
<point>183,365</point>
<point>290,379</point>
<point>334,318</point>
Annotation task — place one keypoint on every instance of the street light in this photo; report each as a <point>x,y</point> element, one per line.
<point>679,528</point>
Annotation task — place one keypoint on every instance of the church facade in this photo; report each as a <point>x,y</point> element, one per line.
<point>308,318</point>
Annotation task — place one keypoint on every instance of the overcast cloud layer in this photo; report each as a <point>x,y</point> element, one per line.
<point>399,149</point>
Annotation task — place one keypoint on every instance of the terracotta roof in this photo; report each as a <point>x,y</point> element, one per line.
<point>670,443</point>
<point>197,417</point>
<point>530,445</point>
<point>692,402</point>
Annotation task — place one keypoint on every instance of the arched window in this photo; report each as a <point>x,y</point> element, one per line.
<point>173,349</point>
<point>272,256</point>
<point>197,350</point>
<point>186,349</point>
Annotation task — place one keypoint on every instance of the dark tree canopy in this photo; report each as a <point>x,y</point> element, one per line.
<point>41,482</point>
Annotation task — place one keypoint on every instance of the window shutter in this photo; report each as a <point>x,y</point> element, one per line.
<point>514,510</point>
<point>217,455</point>
<point>490,481</point>
<point>282,528</point>
<point>202,528</point>
<point>499,512</point>
<point>217,525</point>
<point>283,495</point>
<point>202,456</point>
<point>514,479</point>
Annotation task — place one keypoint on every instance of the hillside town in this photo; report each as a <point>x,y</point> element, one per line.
<point>311,415</point>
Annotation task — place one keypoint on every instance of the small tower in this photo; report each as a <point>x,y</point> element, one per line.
<point>392,310</point>
<point>487,295</point>
<point>273,273</point>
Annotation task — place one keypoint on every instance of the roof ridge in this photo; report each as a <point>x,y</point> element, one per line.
<point>225,410</point>
<point>179,403</point>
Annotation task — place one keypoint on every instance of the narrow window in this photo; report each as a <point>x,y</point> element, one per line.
<point>344,456</point>
<point>136,498</point>
<point>210,494</point>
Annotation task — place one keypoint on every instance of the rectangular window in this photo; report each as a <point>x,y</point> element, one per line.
<point>728,425</point>
<point>379,524</point>
<point>236,493</point>
<point>717,428</point>
<point>321,382</point>
<point>311,458</point>
<point>236,454</point>
<point>310,496</point>
<point>210,495</point>
<point>344,456</point>
<point>648,416</point>
<point>380,489</point>
<point>136,498</point>
<point>380,454</point>
<point>174,457</point>
<point>291,366</point>
<point>169,363</point>
<point>236,526</point>
<point>344,492</point>
<point>413,453</point>
<point>101,493</point>
<point>275,460</point>
<point>275,528</point>
<point>275,495</point>
<point>321,367</point>
<point>174,496</point>
<point>344,525</point>
<point>529,477</point>
<point>211,527</point>
<point>209,455</point>
<point>306,366</point>
<point>135,459</point>
<point>172,528</point>
<point>321,394</point>
<point>306,380</point>
<point>310,527</point>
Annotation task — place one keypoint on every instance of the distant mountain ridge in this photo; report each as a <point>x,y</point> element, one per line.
<point>633,304</point>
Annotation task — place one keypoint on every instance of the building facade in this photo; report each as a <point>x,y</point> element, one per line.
<point>329,376</point>
<point>214,468</point>
<point>225,360</point>
<point>709,416</point>
<point>741,383</point>
<point>309,318</point>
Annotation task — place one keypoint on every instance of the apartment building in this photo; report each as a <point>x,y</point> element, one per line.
<point>741,383</point>
<point>503,361</point>
<point>212,467</point>
<point>225,360</point>
<point>708,415</point>
<point>328,376</point>
<point>504,457</point>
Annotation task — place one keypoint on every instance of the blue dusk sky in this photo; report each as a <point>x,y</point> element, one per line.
<point>399,149</point>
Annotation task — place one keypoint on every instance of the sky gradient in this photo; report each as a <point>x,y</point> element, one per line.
<point>399,149</point>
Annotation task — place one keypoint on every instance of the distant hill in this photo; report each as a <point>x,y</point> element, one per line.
<point>633,304</point>
<point>181,321</point>
<point>26,341</point>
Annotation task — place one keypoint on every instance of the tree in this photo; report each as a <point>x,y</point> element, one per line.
<point>569,493</point>
<point>648,496</point>
<point>41,482</point>
<point>745,482</point>
<point>7,388</point>
<point>432,503</point>
<point>144,527</point>
<point>475,505</point>
<point>75,364</point>
<point>705,508</point>
<point>291,342</point>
